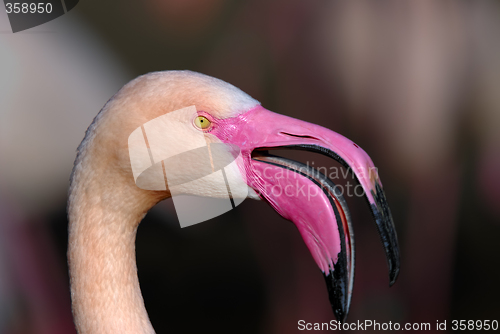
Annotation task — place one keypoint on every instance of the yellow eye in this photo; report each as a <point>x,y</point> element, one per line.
<point>202,122</point>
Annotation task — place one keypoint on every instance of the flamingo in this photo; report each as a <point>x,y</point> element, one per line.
<point>105,204</point>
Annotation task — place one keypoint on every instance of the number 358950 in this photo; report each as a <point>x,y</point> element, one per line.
<point>463,325</point>
<point>25,8</point>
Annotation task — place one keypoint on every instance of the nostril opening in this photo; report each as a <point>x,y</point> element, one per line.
<point>298,136</point>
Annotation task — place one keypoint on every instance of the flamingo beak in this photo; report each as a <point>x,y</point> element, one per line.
<point>310,199</point>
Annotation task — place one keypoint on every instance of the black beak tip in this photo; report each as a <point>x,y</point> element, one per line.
<point>336,282</point>
<point>340,314</point>
<point>387,231</point>
<point>393,260</point>
<point>393,275</point>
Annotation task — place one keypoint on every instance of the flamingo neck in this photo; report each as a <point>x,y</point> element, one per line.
<point>103,218</point>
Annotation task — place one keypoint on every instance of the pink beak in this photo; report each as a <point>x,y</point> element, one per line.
<point>308,198</point>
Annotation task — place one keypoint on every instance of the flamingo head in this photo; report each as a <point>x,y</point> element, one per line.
<point>190,134</point>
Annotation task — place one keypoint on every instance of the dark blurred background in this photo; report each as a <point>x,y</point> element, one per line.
<point>415,83</point>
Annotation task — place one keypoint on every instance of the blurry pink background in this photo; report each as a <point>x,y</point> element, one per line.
<point>415,83</point>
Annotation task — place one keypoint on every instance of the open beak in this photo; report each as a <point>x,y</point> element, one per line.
<point>308,198</point>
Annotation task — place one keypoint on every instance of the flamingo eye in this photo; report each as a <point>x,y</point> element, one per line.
<point>202,122</point>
